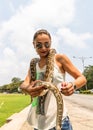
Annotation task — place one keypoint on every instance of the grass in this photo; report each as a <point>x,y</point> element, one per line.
<point>12,103</point>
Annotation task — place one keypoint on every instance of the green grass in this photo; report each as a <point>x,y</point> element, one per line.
<point>12,103</point>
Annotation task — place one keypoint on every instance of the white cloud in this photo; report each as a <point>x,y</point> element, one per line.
<point>1,44</point>
<point>86,36</point>
<point>74,39</point>
<point>52,13</point>
<point>9,53</point>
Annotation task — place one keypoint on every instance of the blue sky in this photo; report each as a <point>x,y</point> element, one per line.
<point>68,21</point>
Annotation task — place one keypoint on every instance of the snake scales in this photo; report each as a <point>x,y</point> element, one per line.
<point>48,85</point>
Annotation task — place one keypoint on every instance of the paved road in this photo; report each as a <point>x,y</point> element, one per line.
<point>81,116</point>
<point>85,101</point>
<point>80,109</point>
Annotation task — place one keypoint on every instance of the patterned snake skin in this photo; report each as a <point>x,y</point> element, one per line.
<point>48,84</point>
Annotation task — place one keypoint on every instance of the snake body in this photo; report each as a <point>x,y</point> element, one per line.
<point>49,86</point>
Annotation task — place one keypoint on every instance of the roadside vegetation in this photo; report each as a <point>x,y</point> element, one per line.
<point>88,73</point>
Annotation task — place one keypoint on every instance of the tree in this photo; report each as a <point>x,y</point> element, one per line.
<point>12,87</point>
<point>88,72</point>
<point>15,80</point>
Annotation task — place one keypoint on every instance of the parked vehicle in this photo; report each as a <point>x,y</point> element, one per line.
<point>77,92</point>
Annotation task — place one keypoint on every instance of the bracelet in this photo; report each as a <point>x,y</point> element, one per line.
<point>73,85</point>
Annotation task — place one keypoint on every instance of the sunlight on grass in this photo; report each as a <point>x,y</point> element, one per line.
<point>12,103</point>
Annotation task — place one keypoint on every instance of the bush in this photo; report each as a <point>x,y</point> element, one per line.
<point>85,92</point>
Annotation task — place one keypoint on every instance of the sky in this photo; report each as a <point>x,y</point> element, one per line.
<point>70,23</point>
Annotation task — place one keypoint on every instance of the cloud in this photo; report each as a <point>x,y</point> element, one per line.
<point>9,53</point>
<point>52,13</point>
<point>74,39</point>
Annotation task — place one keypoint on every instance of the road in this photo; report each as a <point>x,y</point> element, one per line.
<point>85,101</point>
<point>80,109</point>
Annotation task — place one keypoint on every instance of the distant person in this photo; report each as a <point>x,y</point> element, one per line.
<point>42,115</point>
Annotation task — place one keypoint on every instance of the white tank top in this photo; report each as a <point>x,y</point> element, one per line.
<point>47,121</point>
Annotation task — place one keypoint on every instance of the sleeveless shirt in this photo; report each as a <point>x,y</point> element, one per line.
<point>47,121</point>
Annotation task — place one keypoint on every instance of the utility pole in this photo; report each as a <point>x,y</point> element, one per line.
<point>83,62</point>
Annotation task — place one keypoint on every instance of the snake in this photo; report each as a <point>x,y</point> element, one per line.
<point>47,83</point>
